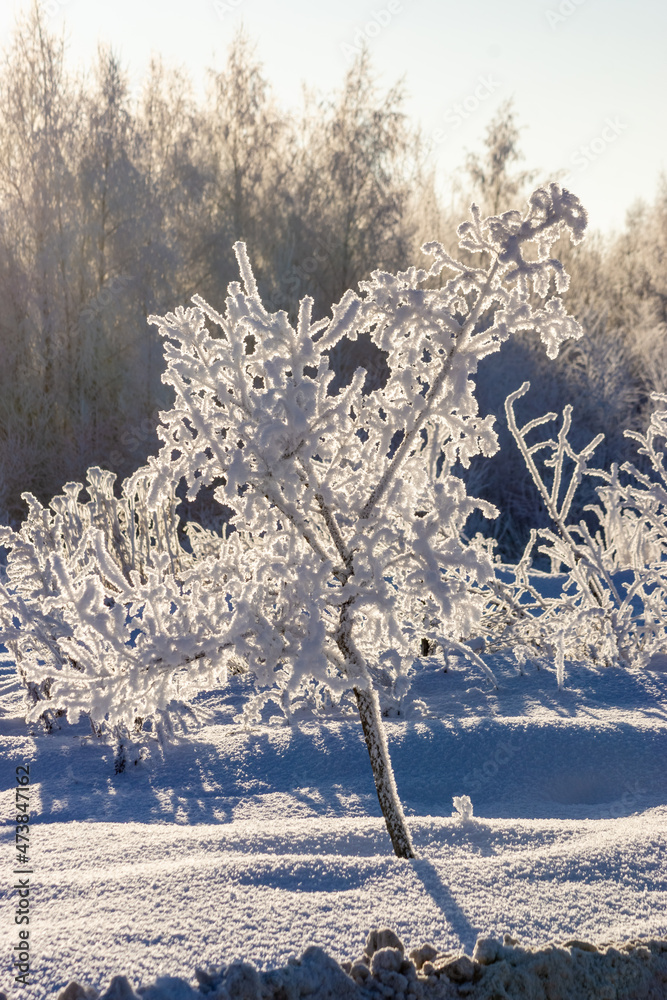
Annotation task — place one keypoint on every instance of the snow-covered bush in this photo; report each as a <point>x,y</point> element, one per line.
<point>346,546</point>
<point>462,808</point>
<point>613,608</point>
<point>106,613</point>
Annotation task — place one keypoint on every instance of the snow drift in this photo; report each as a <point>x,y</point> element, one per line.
<point>629,971</point>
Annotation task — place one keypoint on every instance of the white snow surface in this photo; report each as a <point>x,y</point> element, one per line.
<point>254,845</point>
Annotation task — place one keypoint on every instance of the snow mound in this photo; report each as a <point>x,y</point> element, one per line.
<point>634,970</point>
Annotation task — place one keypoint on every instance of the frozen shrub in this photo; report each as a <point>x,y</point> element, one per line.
<point>462,808</point>
<point>350,501</point>
<point>107,614</point>
<point>613,608</point>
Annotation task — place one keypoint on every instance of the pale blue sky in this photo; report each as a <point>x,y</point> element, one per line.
<point>589,77</point>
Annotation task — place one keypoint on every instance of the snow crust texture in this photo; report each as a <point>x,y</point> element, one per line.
<point>634,970</point>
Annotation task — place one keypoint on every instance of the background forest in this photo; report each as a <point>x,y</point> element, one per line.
<point>114,207</point>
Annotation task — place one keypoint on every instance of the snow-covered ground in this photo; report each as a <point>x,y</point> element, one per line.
<point>255,845</point>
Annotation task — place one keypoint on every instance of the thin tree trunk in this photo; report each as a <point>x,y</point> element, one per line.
<point>383,774</point>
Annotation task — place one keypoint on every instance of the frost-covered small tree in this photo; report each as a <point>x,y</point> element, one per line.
<point>349,506</point>
<point>613,605</point>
